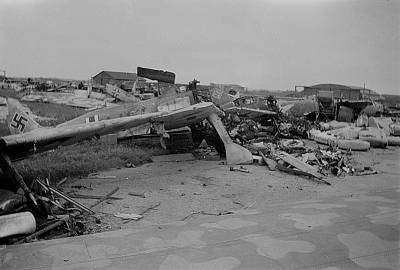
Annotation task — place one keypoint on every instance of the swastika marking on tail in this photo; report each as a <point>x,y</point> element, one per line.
<point>19,122</point>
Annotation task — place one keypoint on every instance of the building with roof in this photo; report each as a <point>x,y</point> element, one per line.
<point>229,88</point>
<point>342,91</point>
<point>119,79</point>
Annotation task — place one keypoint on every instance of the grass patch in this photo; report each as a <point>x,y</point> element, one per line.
<point>4,129</point>
<point>8,92</point>
<point>75,160</point>
<point>81,159</point>
<point>58,112</point>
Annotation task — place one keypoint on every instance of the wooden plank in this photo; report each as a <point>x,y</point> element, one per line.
<point>300,165</point>
<point>65,197</point>
<point>297,172</point>
<point>138,194</point>
<point>8,168</point>
<point>44,230</point>
<point>145,211</point>
<point>271,164</point>
<point>105,197</point>
<point>93,197</point>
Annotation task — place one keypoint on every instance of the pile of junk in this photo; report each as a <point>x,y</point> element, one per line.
<point>56,214</point>
<point>303,145</point>
<point>271,133</point>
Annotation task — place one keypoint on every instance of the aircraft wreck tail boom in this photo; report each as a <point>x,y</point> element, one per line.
<point>18,121</point>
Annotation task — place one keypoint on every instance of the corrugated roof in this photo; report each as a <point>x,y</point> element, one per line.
<point>340,86</point>
<point>332,85</point>
<point>124,76</point>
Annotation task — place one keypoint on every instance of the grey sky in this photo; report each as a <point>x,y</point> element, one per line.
<point>259,44</point>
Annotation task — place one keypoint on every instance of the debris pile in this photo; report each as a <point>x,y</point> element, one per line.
<point>291,156</point>
<point>277,141</point>
<point>56,215</point>
<point>244,131</point>
<point>266,128</point>
<point>252,129</point>
<point>206,151</point>
<point>363,134</point>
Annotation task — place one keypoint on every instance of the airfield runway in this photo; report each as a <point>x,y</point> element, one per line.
<point>353,224</point>
<point>358,232</point>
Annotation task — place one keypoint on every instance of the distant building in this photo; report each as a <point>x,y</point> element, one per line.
<point>391,101</point>
<point>342,91</point>
<point>229,88</point>
<point>117,78</point>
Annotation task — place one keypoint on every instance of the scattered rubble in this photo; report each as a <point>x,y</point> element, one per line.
<point>70,99</point>
<point>251,129</point>
<point>152,207</point>
<point>100,176</point>
<point>128,216</point>
<point>240,169</point>
<point>279,142</point>
<point>139,194</point>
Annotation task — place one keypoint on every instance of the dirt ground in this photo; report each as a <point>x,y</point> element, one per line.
<point>188,189</point>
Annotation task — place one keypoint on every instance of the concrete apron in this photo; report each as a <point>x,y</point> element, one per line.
<point>358,232</point>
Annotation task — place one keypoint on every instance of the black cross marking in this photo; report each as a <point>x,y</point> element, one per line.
<point>18,122</point>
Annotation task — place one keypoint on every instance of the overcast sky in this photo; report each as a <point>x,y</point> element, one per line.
<point>260,44</point>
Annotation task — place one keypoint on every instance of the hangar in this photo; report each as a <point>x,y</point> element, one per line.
<point>119,79</point>
<point>342,91</point>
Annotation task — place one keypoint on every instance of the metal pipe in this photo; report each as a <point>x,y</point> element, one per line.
<point>65,197</point>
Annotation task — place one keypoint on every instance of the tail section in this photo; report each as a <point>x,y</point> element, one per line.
<point>18,120</point>
<point>220,97</point>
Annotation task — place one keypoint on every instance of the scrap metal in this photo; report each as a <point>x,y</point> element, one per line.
<point>157,75</point>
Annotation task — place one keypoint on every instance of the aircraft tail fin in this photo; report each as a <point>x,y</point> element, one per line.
<point>220,97</point>
<point>18,120</point>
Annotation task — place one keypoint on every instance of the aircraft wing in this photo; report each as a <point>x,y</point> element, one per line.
<point>158,75</point>
<point>189,115</point>
<point>249,112</point>
<point>120,94</point>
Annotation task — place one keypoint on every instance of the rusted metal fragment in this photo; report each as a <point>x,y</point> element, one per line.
<point>157,75</point>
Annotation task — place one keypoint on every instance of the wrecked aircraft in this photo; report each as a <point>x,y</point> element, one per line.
<point>120,94</point>
<point>251,106</point>
<point>157,75</point>
<point>176,112</point>
<point>28,138</point>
